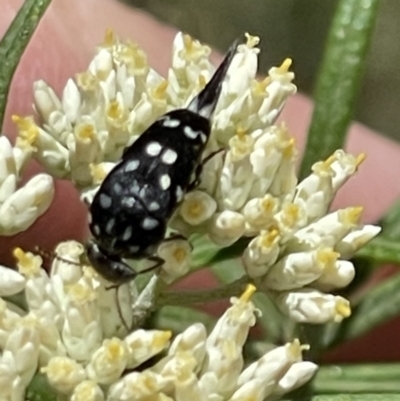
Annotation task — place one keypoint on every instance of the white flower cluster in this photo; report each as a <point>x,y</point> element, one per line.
<point>20,207</point>
<point>298,253</point>
<point>73,333</point>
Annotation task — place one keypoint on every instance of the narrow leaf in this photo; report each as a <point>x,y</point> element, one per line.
<point>339,78</point>
<point>378,378</point>
<point>228,271</point>
<point>271,320</point>
<point>390,223</point>
<point>382,250</point>
<point>14,42</point>
<point>177,318</point>
<point>379,305</point>
<point>355,372</point>
<point>205,253</point>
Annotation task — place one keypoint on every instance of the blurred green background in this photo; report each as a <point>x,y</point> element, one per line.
<point>297,29</point>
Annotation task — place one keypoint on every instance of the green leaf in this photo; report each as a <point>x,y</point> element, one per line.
<point>390,223</point>
<point>185,298</point>
<point>271,320</point>
<point>339,78</point>
<point>14,42</point>
<point>206,253</point>
<point>227,271</point>
<point>377,378</point>
<point>40,390</point>
<point>360,372</point>
<point>381,250</point>
<point>376,307</point>
<point>203,251</point>
<point>178,318</point>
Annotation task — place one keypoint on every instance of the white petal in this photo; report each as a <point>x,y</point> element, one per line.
<point>11,282</point>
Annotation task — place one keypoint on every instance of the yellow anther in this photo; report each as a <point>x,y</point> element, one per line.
<point>360,158</point>
<point>294,348</point>
<point>148,382</point>
<point>305,347</point>
<point>290,214</point>
<point>114,110</point>
<point>251,41</point>
<point>86,81</point>
<point>284,67</point>
<point>188,42</point>
<point>115,348</point>
<point>194,207</point>
<point>85,131</point>
<point>248,293</point>
<point>327,256</point>
<point>160,91</point>
<point>342,309</point>
<point>289,149</point>
<point>351,215</point>
<point>329,161</point>
<point>27,128</point>
<point>109,38</point>
<point>259,87</point>
<point>81,293</point>
<point>28,264</point>
<point>180,254</point>
<point>98,173</point>
<point>267,238</point>
<point>202,81</point>
<point>24,258</point>
<point>161,338</point>
<point>268,204</point>
<point>241,132</point>
<point>241,144</point>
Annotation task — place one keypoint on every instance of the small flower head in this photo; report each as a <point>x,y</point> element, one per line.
<point>88,336</point>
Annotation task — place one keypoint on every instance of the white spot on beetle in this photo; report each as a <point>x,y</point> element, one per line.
<point>96,230</point>
<point>169,156</point>
<point>203,137</point>
<point>132,166</point>
<point>149,223</point>
<point>153,149</point>
<point>171,123</point>
<point>179,193</point>
<point>165,181</point>
<point>154,206</point>
<point>190,132</point>
<point>117,188</point>
<point>105,201</point>
<point>135,187</point>
<point>134,248</point>
<point>110,225</point>
<point>128,201</point>
<point>127,233</point>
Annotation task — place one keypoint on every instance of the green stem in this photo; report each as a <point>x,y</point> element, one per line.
<point>185,298</point>
<point>14,42</point>
<point>339,78</point>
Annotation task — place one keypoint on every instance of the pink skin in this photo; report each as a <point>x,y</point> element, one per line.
<point>63,45</point>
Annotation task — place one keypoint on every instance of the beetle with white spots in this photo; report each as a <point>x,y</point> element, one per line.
<point>132,208</point>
